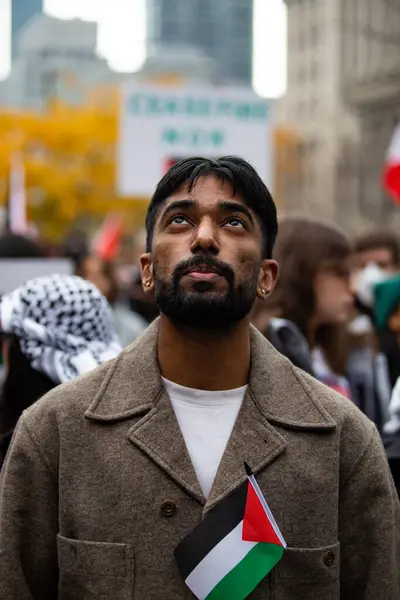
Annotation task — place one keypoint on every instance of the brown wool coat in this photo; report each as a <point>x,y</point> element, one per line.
<point>98,488</point>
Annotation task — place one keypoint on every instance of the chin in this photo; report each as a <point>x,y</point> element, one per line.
<point>205,287</point>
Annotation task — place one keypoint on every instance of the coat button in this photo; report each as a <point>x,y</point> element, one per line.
<point>168,508</point>
<point>329,558</point>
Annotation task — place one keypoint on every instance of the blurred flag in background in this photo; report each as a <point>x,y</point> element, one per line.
<point>391,171</point>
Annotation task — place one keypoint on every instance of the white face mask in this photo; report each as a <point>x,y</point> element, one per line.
<point>366,279</point>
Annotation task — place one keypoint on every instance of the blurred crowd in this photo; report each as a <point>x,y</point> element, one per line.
<point>335,313</point>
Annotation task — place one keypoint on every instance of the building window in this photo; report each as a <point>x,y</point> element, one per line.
<point>302,40</point>
<point>314,71</point>
<point>314,35</point>
<point>203,10</point>
<point>170,31</point>
<point>301,75</point>
<point>300,109</point>
<point>313,106</point>
<point>241,14</point>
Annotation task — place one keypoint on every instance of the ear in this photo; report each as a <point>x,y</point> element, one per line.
<point>146,265</point>
<point>268,276</point>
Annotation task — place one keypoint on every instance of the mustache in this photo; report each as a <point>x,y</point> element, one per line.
<point>204,260</point>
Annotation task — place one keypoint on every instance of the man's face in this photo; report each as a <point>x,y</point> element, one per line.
<point>382,257</point>
<point>206,266</point>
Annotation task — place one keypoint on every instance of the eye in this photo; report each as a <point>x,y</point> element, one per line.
<point>178,220</point>
<point>234,222</point>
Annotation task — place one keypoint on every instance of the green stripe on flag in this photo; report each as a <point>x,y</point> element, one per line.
<point>247,574</point>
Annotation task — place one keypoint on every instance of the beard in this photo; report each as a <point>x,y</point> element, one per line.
<point>204,307</point>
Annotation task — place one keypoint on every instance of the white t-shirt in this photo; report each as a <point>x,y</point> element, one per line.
<point>206,420</point>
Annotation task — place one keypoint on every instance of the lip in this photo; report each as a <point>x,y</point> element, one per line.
<point>202,272</point>
<point>201,275</point>
<point>202,269</point>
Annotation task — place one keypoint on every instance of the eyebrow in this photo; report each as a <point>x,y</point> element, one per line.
<point>177,205</point>
<point>224,205</point>
<point>228,206</point>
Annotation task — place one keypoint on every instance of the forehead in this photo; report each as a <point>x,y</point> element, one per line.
<point>379,254</point>
<point>207,192</point>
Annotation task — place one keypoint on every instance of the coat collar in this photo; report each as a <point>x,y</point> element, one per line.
<point>277,395</point>
<point>133,385</point>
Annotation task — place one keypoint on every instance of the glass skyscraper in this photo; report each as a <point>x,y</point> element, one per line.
<point>21,12</point>
<point>221,28</point>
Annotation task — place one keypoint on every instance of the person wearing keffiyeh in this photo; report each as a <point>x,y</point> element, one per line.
<point>53,329</point>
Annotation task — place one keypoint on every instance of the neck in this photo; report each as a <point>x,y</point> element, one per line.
<point>204,360</point>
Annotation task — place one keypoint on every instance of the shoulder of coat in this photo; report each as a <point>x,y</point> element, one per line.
<point>355,429</point>
<point>71,398</point>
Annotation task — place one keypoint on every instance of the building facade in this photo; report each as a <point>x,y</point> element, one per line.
<point>22,12</point>
<point>314,108</point>
<point>55,58</point>
<point>343,100</point>
<point>371,87</point>
<point>223,30</point>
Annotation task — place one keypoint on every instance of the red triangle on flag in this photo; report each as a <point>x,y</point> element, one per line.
<point>391,171</point>
<point>256,525</point>
<point>391,181</point>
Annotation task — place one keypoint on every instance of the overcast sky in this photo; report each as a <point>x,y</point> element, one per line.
<point>121,36</point>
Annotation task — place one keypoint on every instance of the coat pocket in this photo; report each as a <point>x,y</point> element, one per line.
<point>308,573</point>
<point>91,570</point>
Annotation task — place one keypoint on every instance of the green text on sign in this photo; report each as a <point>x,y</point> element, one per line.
<point>192,106</point>
<point>193,137</point>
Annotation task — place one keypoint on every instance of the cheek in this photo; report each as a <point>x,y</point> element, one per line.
<point>335,300</point>
<point>247,262</point>
<point>169,251</point>
<point>164,261</point>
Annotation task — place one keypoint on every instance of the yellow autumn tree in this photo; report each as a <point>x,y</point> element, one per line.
<point>70,162</point>
<point>69,155</point>
<point>288,166</point>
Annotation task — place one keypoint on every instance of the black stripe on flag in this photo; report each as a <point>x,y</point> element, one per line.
<point>216,525</point>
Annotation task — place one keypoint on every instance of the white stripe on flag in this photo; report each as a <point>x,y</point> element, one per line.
<point>393,153</point>
<point>220,561</point>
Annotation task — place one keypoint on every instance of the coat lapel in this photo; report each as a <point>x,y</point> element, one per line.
<point>277,395</point>
<point>134,388</point>
<point>158,434</point>
<point>253,440</point>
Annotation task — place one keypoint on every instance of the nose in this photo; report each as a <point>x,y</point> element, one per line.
<point>206,238</point>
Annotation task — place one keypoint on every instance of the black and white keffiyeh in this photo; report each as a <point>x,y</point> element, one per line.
<point>63,323</point>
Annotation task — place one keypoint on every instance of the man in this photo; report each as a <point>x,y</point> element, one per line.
<point>106,476</point>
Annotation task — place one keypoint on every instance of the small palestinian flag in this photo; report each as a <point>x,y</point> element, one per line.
<point>233,548</point>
